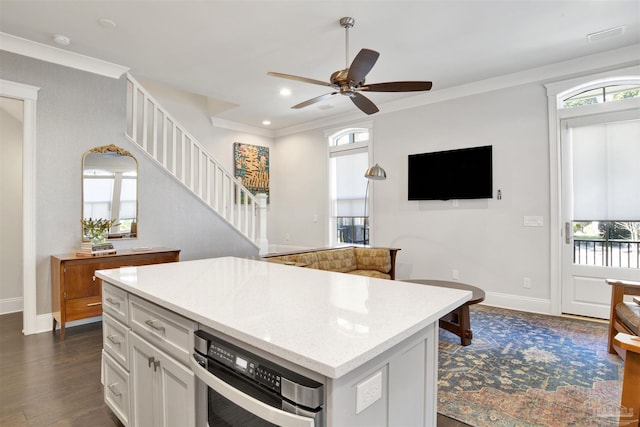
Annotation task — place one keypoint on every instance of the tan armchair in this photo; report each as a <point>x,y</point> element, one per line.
<point>625,315</point>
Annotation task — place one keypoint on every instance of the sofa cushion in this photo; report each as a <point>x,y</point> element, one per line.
<point>309,259</point>
<point>629,314</point>
<point>373,259</point>
<point>371,273</point>
<point>341,260</point>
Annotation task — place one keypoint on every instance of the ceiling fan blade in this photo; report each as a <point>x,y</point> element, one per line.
<point>314,100</point>
<point>361,65</point>
<point>397,87</point>
<point>363,103</point>
<point>301,79</point>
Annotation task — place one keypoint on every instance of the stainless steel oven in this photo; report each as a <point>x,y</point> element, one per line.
<point>247,390</point>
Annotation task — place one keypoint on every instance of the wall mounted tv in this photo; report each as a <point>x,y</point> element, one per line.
<point>455,174</point>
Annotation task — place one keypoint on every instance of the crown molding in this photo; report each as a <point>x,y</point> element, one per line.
<point>629,55</point>
<point>43,52</point>
<point>241,127</point>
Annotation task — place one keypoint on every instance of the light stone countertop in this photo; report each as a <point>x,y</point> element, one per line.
<point>330,323</point>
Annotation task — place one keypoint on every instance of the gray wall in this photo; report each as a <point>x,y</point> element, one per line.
<point>75,112</point>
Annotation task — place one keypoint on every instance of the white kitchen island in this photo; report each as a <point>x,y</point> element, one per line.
<point>338,329</point>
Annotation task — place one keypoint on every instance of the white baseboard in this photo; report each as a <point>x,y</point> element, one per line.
<point>44,322</point>
<point>516,302</point>
<point>11,305</point>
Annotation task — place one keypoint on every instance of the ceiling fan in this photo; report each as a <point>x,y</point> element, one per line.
<point>350,81</point>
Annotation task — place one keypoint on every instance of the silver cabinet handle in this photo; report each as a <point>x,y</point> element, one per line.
<point>114,389</point>
<point>151,323</point>
<point>114,339</point>
<point>152,361</point>
<point>93,304</point>
<point>113,301</point>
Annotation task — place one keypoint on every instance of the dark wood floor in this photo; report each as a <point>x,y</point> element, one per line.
<point>48,382</point>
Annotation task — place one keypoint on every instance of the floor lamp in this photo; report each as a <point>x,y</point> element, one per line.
<point>375,173</point>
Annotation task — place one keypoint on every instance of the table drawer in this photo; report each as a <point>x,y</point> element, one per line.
<point>116,388</point>
<point>115,340</point>
<point>115,302</point>
<point>80,308</point>
<point>167,330</point>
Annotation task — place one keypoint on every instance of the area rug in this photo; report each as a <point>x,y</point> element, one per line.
<point>525,369</point>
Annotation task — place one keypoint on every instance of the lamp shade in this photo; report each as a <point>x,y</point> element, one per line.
<point>376,173</point>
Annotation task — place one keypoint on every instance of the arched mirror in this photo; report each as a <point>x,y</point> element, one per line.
<point>110,190</point>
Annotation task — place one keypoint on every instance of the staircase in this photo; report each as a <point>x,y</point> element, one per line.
<point>159,136</point>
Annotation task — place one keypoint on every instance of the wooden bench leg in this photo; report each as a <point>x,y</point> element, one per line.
<point>465,326</point>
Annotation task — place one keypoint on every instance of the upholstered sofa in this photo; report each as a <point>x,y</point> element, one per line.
<point>625,314</point>
<point>363,261</point>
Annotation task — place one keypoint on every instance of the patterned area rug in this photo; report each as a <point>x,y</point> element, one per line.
<point>525,369</point>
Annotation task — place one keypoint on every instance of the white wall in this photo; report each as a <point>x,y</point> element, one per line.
<point>299,177</point>
<point>484,240</point>
<point>10,206</point>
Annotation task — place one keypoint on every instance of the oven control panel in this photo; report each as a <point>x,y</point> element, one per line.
<point>284,382</point>
<point>245,365</point>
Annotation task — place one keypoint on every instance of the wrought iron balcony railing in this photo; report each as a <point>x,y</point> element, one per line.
<point>607,253</point>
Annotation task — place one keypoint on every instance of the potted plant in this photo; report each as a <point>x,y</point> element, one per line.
<point>97,230</point>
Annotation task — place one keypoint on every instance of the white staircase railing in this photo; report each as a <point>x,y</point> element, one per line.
<point>163,139</point>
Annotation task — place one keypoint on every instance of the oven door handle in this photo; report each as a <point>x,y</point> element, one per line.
<point>257,408</point>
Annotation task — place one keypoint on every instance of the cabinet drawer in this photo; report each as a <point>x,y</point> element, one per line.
<point>80,308</point>
<point>169,331</point>
<point>115,302</point>
<point>115,340</point>
<point>116,388</point>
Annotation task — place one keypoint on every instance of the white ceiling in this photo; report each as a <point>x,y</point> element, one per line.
<point>223,49</point>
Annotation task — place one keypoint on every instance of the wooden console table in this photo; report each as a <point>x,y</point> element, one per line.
<point>458,321</point>
<point>76,293</point>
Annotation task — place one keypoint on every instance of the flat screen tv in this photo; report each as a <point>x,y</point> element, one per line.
<point>454,174</point>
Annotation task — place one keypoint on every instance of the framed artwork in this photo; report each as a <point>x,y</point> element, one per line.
<point>251,167</point>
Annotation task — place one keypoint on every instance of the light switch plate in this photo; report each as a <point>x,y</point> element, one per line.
<point>533,221</point>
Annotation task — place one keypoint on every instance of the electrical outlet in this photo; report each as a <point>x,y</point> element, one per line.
<point>368,392</point>
<point>455,275</point>
<point>526,283</point>
<point>286,237</point>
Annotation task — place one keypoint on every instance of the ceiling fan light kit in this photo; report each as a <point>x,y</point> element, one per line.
<point>351,80</point>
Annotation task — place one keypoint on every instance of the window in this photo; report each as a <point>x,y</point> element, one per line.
<point>602,94</point>
<point>348,160</point>
<point>111,194</point>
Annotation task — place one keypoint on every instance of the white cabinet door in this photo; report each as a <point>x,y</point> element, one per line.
<point>142,382</point>
<point>177,393</point>
<point>163,389</point>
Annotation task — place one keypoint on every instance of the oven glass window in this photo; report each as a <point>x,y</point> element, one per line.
<point>223,413</point>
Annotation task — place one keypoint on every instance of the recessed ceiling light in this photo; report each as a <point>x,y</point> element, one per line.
<point>285,92</point>
<point>266,122</point>
<point>61,40</point>
<point>106,23</point>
